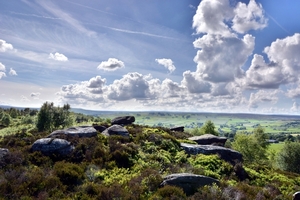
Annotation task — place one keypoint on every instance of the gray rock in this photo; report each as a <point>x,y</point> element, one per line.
<point>3,153</point>
<point>124,120</point>
<point>80,131</point>
<point>99,128</point>
<point>226,154</point>
<point>116,130</point>
<point>49,146</point>
<point>208,139</point>
<point>178,129</point>
<point>296,196</point>
<point>188,182</point>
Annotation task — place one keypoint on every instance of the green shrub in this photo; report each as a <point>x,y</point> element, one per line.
<point>169,192</point>
<point>69,174</point>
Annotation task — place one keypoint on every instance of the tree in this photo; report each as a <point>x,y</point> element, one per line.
<point>253,147</point>
<point>288,158</point>
<point>51,117</point>
<point>209,128</point>
<point>6,119</point>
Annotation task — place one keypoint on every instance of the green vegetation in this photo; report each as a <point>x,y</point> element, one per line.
<point>133,168</point>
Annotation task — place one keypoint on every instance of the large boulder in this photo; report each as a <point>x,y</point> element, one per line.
<point>208,139</point>
<point>226,154</point>
<point>49,146</point>
<point>178,129</point>
<point>116,130</point>
<point>99,128</point>
<point>80,131</point>
<point>3,153</point>
<point>188,182</point>
<point>296,196</point>
<point>124,120</point>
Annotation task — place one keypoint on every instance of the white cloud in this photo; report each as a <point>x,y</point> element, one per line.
<point>58,57</point>
<point>2,74</point>
<point>283,68</point>
<point>194,83</point>
<point>295,107</point>
<point>96,85</point>
<point>131,86</point>
<point>263,96</point>
<point>2,67</point>
<point>248,17</point>
<point>5,46</point>
<point>111,64</point>
<point>12,72</point>
<point>167,63</point>
<point>211,16</point>
<point>220,58</point>
<point>35,95</point>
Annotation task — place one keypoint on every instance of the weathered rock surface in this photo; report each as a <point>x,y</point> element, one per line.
<point>3,153</point>
<point>226,154</point>
<point>208,139</point>
<point>178,129</point>
<point>188,182</point>
<point>80,131</point>
<point>124,120</point>
<point>49,146</point>
<point>99,128</point>
<point>116,130</point>
<point>296,196</point>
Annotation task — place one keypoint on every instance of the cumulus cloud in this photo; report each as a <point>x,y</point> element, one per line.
<point>248,17</point>
<point>194,83</point>
<point>2,74</point>
<point>12,72</point>
<point>167,63</point>
<point>263,96</point>
<point>283,68</point>
<point>220,58</point>
<point>295,107</point>
<point>2,67</point>
<point>5,46</point>
<point>211,16</point>
<point>58,57</point>
<point>132,85</point>
<point>111,64</point>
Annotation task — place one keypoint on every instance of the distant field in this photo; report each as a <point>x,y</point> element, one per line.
<point>276,146</point>
<point>224,122</point>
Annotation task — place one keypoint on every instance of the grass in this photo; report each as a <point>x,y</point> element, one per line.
<point>277,147</point>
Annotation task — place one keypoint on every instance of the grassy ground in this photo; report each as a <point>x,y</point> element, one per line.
<point>277,147</point>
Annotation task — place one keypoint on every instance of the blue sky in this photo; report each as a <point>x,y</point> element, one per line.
<point>171,55</point>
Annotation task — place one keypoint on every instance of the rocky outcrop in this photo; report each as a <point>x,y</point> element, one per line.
<point>49,146</point>
<point>99,128</point>
<point>178,129</point>
<point>209,139</point>
<point>124,120</point>
<point>226,154</point>
<point>296,196</point>
<point>188,182</point>
<point>116,130</point>
<point>3,153</point>
<point>80,131</point>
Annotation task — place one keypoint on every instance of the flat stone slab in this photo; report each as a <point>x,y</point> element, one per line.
<point>124,120</point>
<point>80,131</point>
<point>226,154</point>
<point>49,146</point>
<point>208,139</point>
<point>116,130</point>
<point>188,182</point>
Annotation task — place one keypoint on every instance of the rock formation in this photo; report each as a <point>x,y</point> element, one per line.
<point>116,130</point>
<point>80,131</point>
<point>209,139</point>
<point>124,120</point>
<point>49,146</point>
<point>226,154</point>
<point>188,182</point>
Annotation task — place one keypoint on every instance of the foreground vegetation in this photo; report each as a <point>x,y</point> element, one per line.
<point>133,168</point>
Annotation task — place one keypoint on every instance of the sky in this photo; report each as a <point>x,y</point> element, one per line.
<point>137,55</point>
